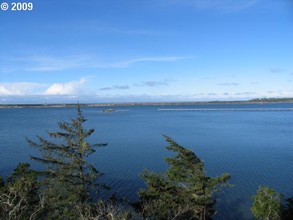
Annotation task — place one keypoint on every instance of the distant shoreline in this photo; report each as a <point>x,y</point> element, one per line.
<point>253,101</point>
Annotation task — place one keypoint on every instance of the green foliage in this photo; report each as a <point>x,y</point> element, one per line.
<point>267,204</point>
<point>162,198</point>
<point>184,191</point>
<point>267,100</point>
<point>22,173</point>
<point>19,199</point>
<point>68,179</point>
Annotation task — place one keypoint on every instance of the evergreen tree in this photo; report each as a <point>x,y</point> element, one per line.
<point>68,179</point>
<point>184,191</point>
<point>19,198</point>
<point>267,204</point>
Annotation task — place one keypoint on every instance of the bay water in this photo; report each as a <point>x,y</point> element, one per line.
<point>252,142</point>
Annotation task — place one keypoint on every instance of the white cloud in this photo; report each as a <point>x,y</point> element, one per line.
<point>48,64</point>
<point>153,83</point>
<point>98,27</point>
<point>277,70</point>
<point>60,63</point>
<point>228,84</point>
<point>144,97</point>
<point>127,63</point>
<point>121,87</point>
<point>4,90</point>
<point>31,89</point>
<point>68,88</point>
<point>20,88</point>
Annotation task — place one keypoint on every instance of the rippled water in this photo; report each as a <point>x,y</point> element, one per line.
<point>254,143</point>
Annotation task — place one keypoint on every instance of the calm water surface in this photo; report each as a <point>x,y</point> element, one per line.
<point>254,143</point>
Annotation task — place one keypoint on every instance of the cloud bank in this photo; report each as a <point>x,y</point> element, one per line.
<point>72,87</point>
<point>20,88</point>
<point>30,88</point>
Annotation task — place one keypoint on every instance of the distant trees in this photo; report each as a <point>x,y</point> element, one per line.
<point>68,179</point>
<point>184,191</point>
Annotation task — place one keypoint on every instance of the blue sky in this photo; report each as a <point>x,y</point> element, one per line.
<point>146,50</point>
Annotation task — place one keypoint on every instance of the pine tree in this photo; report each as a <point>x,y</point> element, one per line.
<point>19,197</point>
<point>267,204</point>
<point>184,191</point>
<point>68,179</point>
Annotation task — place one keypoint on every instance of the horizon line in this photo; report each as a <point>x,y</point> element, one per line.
<point>95,104</point>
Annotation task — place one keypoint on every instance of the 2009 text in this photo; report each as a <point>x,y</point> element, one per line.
<point>22,6</point>
<point>17,6</point>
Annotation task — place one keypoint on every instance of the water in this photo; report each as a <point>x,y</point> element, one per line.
<point>254,143</point>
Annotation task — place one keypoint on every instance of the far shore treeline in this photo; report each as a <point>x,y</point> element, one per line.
<point>69,187</point>
<point>63,105</point>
